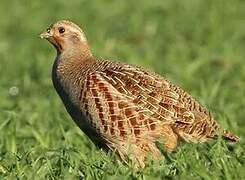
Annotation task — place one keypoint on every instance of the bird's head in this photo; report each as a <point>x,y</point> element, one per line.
<point>65,36</point>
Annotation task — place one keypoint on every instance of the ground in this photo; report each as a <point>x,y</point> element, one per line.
<point>198,45</point>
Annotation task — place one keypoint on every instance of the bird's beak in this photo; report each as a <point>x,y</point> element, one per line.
<point>45,35</point>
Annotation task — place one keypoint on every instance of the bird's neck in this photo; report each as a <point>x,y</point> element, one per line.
<point>73,56</point>
<point>71,67</point>
<point>74,61</point>
<point>69,73</point>
<point>79,51</point>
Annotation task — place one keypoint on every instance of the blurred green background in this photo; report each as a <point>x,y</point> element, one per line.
<point>197,44</point>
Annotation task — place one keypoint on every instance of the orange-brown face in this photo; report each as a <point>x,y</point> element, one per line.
<point>63,35</point>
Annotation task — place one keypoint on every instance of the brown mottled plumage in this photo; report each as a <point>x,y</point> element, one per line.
<point>125,108</point>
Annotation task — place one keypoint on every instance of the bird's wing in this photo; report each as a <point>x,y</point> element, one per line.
<point>161,99</point>
<point>126,99</point>
<point>112,112</point>
<point>150,91</point>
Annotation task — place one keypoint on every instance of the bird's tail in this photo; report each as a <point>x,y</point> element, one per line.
<point>229,136</point>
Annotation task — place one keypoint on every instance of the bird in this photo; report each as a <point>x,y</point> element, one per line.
<point>123,107</point>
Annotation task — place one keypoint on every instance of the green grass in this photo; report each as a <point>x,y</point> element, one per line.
<point>199,45</point>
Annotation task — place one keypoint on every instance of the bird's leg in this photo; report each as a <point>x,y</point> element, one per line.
<point>144,151</point>
<point>168,138</point>
<point>137,154</point>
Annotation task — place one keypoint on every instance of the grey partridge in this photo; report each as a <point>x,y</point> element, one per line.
<point>124,107</point>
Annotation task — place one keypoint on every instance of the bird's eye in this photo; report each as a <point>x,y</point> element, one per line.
<point>61,30</point>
